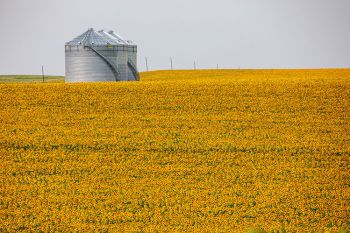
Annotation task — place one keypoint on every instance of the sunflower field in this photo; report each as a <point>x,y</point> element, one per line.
<point>179,151</point>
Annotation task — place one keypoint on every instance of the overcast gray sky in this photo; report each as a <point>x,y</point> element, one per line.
<point>231,33</point>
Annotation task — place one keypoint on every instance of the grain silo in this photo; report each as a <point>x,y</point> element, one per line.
<point>100,57</point>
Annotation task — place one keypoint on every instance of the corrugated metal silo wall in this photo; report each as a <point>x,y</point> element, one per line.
<point>84,65</point>
<point>121,60</point>
<point>132,55</point>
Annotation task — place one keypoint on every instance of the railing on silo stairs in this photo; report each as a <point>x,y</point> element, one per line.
<point>111,65</point>
<point>133,69</point>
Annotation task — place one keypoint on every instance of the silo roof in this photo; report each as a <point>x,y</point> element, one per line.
<point>109,36</point>
<point>119,38</point>
<point>91,37</point>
